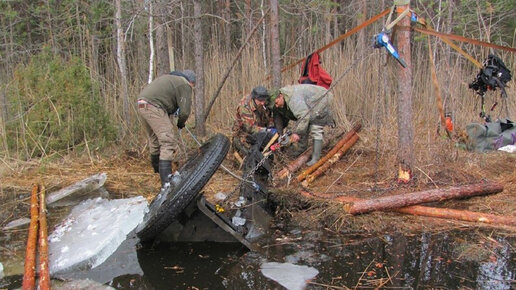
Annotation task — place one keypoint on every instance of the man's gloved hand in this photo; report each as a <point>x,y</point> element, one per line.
<point>180,125</point>
<point>272,130</point>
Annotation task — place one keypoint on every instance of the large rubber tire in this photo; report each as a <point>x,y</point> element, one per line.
<point>196,172</point>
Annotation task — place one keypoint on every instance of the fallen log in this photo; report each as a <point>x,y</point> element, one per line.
<point>303,158</point>
<point>332,152</point>
<point>443,213</point>
<point>84,186</point>
<point>310,178</point>
<point>29,274</point>
<point>403,200</point>
<point>44,273</point>
<point>296,164</point>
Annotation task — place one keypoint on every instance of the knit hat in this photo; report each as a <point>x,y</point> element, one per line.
<point>189,75</point>
<point>260,93</point>
<point>273,95</point>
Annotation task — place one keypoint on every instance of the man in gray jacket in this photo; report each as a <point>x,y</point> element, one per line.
<point>309,106</point>
<point>167,95</point>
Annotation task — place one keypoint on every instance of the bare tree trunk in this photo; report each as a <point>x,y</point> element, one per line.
<point>120,55</point>
<point>405,124</point>
<point>264,30</point>
<point>275,45</point>
<point>199,68</point>
<point>172,65</point>
<point>151,44</point>
<point>162,60</point>
<point>227,26</point>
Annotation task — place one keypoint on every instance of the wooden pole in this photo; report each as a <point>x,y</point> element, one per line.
<point>44,274</point>
<point>332,152</point>
<point>30,253</point>
<point>403,200</point>
<point>310,178</point>
<point>443,213</point>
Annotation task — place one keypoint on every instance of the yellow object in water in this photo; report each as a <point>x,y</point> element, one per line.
<point>219,208</point>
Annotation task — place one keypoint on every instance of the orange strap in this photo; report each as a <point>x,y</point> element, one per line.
<point>437,87</point>
<point>341,37</point>
<point>464,39</point>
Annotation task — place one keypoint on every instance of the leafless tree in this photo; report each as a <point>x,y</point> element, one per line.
<point>122,66</point>
<point>275,45</point>
<point>405,122</point>
<point>199,68</point>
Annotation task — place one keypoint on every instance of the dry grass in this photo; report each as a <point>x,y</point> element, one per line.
<point>439,165</point>
<point>364,92</point>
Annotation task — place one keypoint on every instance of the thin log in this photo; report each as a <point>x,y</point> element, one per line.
<point>303,158</point>
<point>29,275</point>
<point>443,213</point>
<point>403,200</point>
<point>295,164</point>
<point>332,152</point>
<point>44,273</point>
<point>310,178</point>
<point>463,215</point>
<point>235,59</point>
<point>87,185</point>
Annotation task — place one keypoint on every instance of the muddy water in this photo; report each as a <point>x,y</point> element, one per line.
<point>475,259</point>
<point>451,260</point>
<point>459,258</point>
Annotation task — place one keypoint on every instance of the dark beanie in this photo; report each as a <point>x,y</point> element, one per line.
<point>260,93</point>
<point>189,75</point>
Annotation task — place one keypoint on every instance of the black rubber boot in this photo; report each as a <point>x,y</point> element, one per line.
<point>165,170</point>
<point>316,153</point>
<point>155,162</point>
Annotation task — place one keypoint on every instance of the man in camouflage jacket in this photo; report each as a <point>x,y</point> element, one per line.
<point>167,95</point>
<point>309,106</point>
<point>252,116</point>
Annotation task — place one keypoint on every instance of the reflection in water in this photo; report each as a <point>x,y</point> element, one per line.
<point>458,259</point>
<point>451,260</point>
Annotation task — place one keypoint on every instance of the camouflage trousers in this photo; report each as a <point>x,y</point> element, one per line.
<point>160,132</point>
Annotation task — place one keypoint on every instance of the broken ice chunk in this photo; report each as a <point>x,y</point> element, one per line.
<point>290,276</point>
<point>73,243</point>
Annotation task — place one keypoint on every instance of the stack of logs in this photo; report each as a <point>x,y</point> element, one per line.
<point>403,203</point>
<point>316,170</point>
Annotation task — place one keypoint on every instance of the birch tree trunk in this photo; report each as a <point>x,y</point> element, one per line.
<point>275,45</point>
<point>199,68</point>
<point>120,55</point>
<point>264,30</point>
<point>151,43</point>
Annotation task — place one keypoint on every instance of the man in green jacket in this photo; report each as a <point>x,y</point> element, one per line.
<point>309,106</point>
<point>167,95</point>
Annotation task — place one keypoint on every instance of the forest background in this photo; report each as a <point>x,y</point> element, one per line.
<point>70,70</point>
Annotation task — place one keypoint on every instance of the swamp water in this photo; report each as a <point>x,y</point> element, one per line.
<point>465,259</point>
<point>460,258</point>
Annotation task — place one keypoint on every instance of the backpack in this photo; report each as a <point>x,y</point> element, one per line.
<point>494,74</point>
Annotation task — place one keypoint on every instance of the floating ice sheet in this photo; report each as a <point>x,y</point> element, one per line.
<point>93,231</point>
<point>290,276</point>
